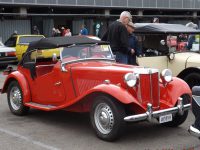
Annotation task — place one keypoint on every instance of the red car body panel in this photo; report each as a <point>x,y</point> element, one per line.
<point>84,77</point>
<point>17,75</point>
<point>67,90</point>
<point>173,90</point>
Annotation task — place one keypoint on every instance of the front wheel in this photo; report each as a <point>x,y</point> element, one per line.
<point>107,118</point>
<point>178,119</point>
<point>192,79</point>
<point>15,99</point>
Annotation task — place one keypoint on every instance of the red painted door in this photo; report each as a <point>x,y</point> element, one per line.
<point>48,88</point>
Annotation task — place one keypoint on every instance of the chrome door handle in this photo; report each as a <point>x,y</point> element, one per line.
<point>58,83</point>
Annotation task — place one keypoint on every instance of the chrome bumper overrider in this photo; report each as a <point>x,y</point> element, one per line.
<point>149,115</point>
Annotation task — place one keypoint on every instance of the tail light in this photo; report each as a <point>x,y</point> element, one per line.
<point>10,54</point>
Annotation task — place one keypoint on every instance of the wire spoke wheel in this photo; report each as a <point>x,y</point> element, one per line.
<point>107,117</point>
<point>104,119</point>
<point>15,98</point>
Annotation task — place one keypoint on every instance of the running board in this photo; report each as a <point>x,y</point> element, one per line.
<point>40,106</point>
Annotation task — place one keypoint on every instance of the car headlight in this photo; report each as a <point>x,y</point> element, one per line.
<point>130,79</point>
<point>166,75</point>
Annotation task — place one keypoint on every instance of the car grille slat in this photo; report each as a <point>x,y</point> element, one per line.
<point>148,90</point>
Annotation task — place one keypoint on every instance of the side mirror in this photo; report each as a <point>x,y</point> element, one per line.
<point>162,42</point>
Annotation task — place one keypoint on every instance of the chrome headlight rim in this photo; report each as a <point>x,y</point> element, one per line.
<point>130,79</point>
<point>166,75</point>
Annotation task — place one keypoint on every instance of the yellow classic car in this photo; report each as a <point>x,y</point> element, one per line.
<point>21,42</point>
<point>165,46</point>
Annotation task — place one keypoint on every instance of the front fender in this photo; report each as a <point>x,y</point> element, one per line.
<point>173,90</point>
<point>16,75</point>
<point>119,93</point>
<point>115,91</point>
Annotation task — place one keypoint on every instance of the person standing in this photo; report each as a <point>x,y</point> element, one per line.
<point>84,30</point>
<point>63,31</point>
<point>156,20</point>
<point>191,38</point>
<point>35,30</point>
<point>14,33</point>
<point>195,128</point>
<point>135,51</point>
<point>68,32</point>
<point>117,35</point>
<point>53,33</point>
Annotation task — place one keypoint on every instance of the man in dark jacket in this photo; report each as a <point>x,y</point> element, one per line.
<point>133,45</point>
<point>195,128</point>
<point>117,35</point>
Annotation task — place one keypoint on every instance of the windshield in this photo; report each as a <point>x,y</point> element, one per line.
<point>11,42</point>
<point>82,52</point>
<point>28,39</point>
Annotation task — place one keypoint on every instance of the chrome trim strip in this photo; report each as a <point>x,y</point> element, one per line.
<point>71,78</point>
<point>88,59</point>
<point>158,90</point>
<point>151,86</point>
<point>144,70</point>
<point>139,89</point>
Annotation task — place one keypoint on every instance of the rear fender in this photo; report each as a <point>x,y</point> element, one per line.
<point>16,75</point>
<point>174,90</point>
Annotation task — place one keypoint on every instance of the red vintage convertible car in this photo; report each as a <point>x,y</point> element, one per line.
<point>86,78</point>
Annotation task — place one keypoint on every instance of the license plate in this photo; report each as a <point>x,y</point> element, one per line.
<point>165,118</point>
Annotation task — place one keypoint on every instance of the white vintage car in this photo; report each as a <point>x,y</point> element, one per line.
<point>7,56</point>
<point>165,46</point>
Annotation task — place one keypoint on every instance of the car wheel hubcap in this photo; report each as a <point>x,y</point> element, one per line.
<point>104,118</point>
<point>15,98</point>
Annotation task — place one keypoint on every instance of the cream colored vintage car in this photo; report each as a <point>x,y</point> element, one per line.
<point>165,46</point>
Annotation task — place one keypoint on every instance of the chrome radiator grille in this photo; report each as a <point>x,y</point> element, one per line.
<point>148,90</point>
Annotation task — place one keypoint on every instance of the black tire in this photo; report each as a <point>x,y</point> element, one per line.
<point>178,119</point>
<point>15,99</point>
<point>114,112</point>
<point>192,79</point>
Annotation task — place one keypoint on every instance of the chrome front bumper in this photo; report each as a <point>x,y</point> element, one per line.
<point>149,115</point>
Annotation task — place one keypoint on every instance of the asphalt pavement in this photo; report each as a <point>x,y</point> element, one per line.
<point>60,130</point>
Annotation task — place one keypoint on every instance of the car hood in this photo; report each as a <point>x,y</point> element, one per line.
<point>87,75</point>
<point>102,66</point>
<point>6,49</point>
